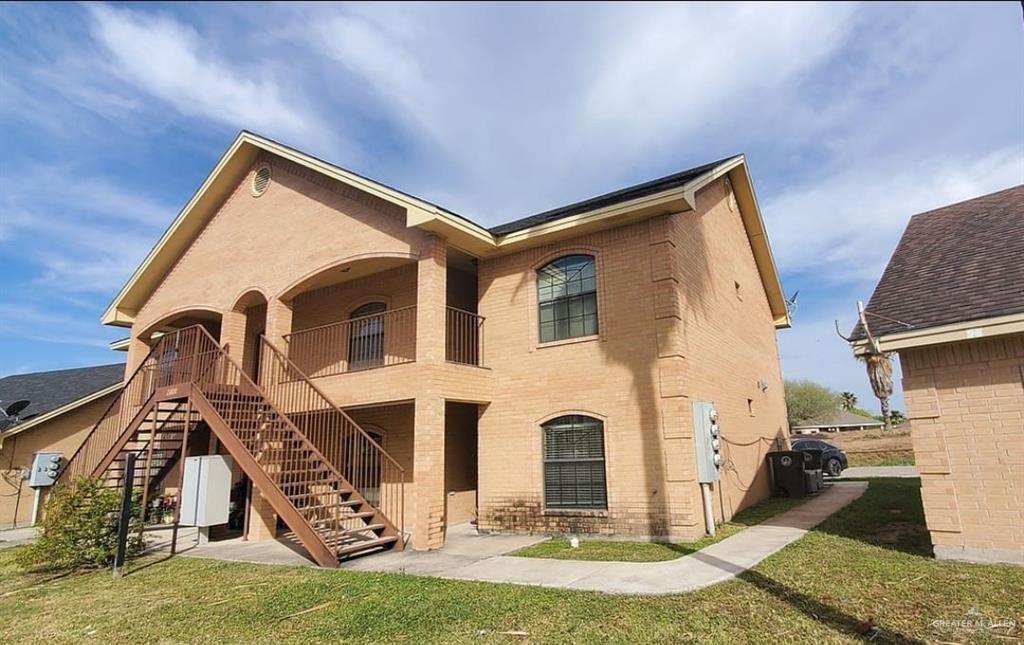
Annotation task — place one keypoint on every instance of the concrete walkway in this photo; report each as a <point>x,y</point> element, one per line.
<point>470,556</point>
<point>711,565</point>
<point>880,471</point>
<point>16,537</point>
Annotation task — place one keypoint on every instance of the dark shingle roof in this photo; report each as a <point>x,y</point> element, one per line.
<point>954,264</point>
<point>622,195</point>
<point>50,390</point>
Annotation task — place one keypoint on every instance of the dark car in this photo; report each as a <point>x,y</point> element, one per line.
<point>833,459</point>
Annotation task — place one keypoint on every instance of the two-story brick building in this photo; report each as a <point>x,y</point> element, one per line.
<point>383,367</point>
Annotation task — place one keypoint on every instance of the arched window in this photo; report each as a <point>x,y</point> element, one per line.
<point>567,298</point>
<point>574,474</point>
<point>366,336</point>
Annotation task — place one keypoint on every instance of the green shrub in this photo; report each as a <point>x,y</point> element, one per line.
<point>79,528</point>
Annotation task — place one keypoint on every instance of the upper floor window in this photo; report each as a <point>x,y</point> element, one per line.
<point>567,298</point>
<point>366,336</point>
<point>574,474</point>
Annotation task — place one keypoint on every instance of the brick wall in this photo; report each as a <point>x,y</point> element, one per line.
<point>966,407</point>
<point>672,329</point>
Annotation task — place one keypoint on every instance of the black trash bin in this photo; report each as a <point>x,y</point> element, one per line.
<point>813,474</point>
<point>787,469</point>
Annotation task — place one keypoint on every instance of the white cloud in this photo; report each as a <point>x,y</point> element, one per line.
<point>170,61</point>
<point>845,226</point>
<point>575,105</point>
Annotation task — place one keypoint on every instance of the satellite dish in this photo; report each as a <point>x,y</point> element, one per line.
<point>14,409</point>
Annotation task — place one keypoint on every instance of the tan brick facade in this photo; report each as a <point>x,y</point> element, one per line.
<point>682,316</point>
<point>966,406</point>
<point>673,329</point>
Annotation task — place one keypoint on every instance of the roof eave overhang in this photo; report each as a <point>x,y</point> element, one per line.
<point>942,334</point>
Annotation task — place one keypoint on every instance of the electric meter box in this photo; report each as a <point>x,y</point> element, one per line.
<point>206,490</point>
<point>45,468</point>
<point>708,442</point>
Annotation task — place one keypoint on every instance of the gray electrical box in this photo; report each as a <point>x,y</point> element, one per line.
<point>708,442</point>
<point>45,468</point>
<point>206,490</point>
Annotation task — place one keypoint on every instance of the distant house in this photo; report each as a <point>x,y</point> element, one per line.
<point>840,422</point>
<point>63,406</point>
<point>951,303</point>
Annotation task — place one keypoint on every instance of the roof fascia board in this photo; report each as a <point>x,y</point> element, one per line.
<point>952,333</point>
<point>672,200</point>
<point>120,316</point>
<point>753,222</point>
<point>64,409</point>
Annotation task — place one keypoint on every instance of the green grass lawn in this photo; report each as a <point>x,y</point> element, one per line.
<point>624,551</point>
<point>869,560</point>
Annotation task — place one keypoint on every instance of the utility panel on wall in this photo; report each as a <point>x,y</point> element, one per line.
<point>206,490</point>
<point>706,436</point>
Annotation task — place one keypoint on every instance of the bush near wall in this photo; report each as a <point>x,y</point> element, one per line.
<point>79,528</point>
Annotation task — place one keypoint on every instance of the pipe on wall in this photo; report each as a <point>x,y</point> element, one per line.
<point>709,513</point>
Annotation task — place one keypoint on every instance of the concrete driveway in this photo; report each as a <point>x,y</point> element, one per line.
<point>858,472</point>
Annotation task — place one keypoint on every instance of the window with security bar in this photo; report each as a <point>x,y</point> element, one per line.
<point>574,473</point>
<point>567,298</point>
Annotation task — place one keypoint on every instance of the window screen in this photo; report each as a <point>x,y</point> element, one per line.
<point>574,474</point>
<point>567,298</point>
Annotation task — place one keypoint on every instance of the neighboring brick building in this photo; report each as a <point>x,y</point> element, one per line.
<point>951,303</point>
<point>536,376</point>
<point>63,407</point>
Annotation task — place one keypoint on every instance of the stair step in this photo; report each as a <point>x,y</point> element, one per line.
<point>381,542</point>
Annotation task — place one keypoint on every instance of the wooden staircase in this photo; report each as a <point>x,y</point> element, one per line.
<point>188,377</point>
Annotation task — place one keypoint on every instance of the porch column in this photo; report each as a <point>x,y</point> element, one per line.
<point>431,298</point>
<point>428,473</point>
<point>232,333</point>
<point>279,322</point>
<point>262,519</point>
<point>137,350</point>
<point>428,431</point>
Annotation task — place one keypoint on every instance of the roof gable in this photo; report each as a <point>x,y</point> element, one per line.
<point>674,193</point>
<point>954,264</point>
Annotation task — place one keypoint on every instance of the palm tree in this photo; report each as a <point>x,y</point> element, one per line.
<point>880,374</point>
<point>848,400</point>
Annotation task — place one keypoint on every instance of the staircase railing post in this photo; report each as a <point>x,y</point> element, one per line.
<point>149,467</point>
<point>182,454</point>
<point>126,514</point>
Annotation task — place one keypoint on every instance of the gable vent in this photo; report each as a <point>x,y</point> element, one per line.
<point>260,180</point>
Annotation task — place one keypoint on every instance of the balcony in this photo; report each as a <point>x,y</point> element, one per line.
<point>381,340</point>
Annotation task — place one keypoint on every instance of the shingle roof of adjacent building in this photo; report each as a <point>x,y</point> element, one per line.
<point>844,418</point>
<point>954,264</point>
<point>48,391</point>
<point>632,192</point>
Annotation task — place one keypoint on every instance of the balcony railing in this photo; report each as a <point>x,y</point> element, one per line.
<point>464,340</point>
<point>377,340</point>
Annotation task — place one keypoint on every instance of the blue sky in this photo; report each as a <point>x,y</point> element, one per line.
<point>853,117</point>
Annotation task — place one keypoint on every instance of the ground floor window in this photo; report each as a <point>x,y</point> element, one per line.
<point>574,473</point>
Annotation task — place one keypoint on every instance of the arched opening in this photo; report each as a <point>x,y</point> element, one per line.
<point>252,306</point>
<point>209,318</point>
<point>366,336</point>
